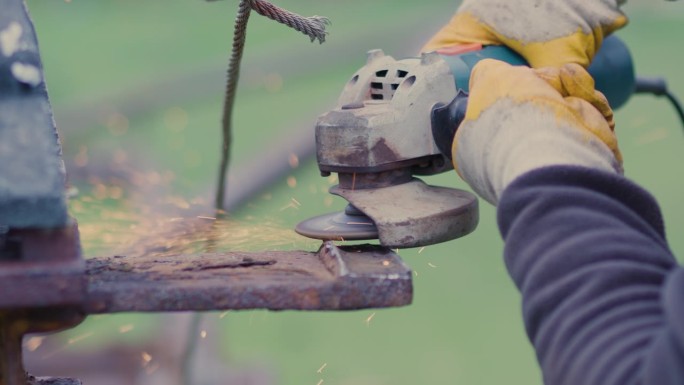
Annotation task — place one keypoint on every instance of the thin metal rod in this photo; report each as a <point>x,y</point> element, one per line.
<point>190,348</point>
<point>313,26</point>
<point>239,35</point>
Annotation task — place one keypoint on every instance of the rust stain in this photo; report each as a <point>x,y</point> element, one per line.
<point>246,262</point>
<point>383,153</point>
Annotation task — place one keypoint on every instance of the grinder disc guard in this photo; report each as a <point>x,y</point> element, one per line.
<point>411,214</point>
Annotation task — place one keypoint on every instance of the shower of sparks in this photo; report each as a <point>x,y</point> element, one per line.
<point>369,319</point>
<point>432,265</point>
<point>126,226</point>
<point>320,370</point>
<point>125,328</point>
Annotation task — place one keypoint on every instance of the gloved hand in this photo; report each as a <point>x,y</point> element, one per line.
<point>546,33</point>
<point>519,119</point>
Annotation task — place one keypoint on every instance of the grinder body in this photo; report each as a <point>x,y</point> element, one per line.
<point>395,119</point>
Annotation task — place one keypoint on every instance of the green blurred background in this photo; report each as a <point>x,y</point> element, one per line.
<point>142,81</point>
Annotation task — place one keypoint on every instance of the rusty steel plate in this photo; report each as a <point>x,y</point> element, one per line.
<point>53,381</point>
<point>334,278</point>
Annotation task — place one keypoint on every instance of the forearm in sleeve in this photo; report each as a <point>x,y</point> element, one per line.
<point>603,299</point>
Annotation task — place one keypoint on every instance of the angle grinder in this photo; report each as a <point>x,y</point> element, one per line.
<point>396,119</point>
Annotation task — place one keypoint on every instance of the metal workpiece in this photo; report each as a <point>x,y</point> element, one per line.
<point>52,381</point>
<point>334,278</point>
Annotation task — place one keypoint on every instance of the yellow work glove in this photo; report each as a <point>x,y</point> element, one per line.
<point>519,119</point>
<point>546,33</point>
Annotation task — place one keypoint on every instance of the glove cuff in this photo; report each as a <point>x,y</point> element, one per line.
<point>511,138</point>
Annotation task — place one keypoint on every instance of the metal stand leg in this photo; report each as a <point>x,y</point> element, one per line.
<point>11,359</point>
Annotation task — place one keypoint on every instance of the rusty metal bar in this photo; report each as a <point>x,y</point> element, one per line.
<point>53,381</point>
<point>335,278</point>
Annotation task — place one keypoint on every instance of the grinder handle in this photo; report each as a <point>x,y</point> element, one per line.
<point>612,70</point>
<point>612,67</point>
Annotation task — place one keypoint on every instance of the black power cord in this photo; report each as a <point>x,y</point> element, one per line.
<point>658,87</point>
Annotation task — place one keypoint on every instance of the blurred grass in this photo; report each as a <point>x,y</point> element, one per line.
<point>464,326</point>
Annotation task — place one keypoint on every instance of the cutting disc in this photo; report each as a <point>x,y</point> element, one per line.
<point>349,225</point>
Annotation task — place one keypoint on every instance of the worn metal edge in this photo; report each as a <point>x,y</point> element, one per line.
<point>346,289</point>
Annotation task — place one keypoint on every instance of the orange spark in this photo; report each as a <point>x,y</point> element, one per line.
<point>81,158</point>
<point>117,124</point>
<point>320,370</point>
<point>293,161</point>
<point>369,319</point>
<point>34,343</point>
<point>79,338</point>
